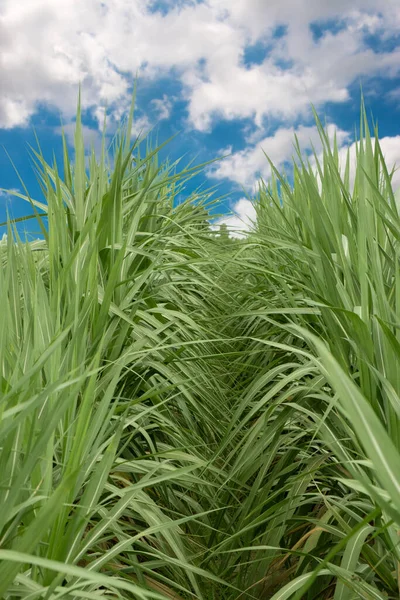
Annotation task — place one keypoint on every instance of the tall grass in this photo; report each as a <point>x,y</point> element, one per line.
<point>184,415</point>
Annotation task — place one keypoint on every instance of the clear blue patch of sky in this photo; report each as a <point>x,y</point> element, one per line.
<point>255,54</point>
<point>198,148</point>
<point>160,6</point>
<point>322,27</point>
<point>381,43</point>
<point>165,6</point>
<point>284,64</point>
<point>14,145</point>
<point>378,104</point>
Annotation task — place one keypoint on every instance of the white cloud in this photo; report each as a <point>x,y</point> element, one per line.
<point>6,200</point>
<point>394,95</point>
<point>141,126</point>
<point>320,71</point>
<point>246,166</point>
<point>7,195</point>
<point>163,107</point>
<point>256,16</point>
<point>390,147</point>
<point>48,47</point>
<point>241,219</point>
<point>243,213</point>
<point>391,151</point>
<point>93,137</point>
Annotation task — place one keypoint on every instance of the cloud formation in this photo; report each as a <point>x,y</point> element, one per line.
<point>47,48</point>
<point>245,166</point>
<point>312,52</point>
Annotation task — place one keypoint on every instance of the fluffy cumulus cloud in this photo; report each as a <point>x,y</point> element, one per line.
<point>163,106</point>
<point>297,69</point>
<point>391,152</point>
<point>390,147</point>
<point>313,50</point>
<point>246,166</point>
<point>47,47</point>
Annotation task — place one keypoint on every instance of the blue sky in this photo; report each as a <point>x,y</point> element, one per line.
<point>231,76</point>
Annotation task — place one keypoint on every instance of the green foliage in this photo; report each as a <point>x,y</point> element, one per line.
<point>186,415</point>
